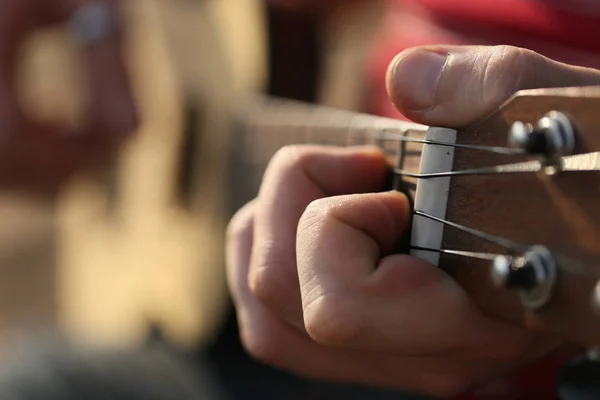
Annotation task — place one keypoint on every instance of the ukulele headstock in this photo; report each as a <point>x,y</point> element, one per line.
<point>548,211</point>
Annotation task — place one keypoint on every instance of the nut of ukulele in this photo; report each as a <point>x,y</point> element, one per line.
<point>532,275</point>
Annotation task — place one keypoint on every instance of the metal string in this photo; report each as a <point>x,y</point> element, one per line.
<point>461,253</point>
<point>496,170</point>
<point>502,242</point>
<point>388,135</point>
<point>563,263</point>
<point>401,135</point>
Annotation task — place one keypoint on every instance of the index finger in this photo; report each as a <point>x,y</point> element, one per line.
<point>355,294</point>
<point>296,176</point>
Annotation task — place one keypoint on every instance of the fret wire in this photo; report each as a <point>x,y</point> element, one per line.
<point>361,129</point>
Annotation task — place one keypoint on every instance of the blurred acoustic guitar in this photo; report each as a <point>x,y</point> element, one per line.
<point>507,205</point>
<point>141,243</point>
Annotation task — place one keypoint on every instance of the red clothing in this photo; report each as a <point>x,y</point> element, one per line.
<point>565,30</point>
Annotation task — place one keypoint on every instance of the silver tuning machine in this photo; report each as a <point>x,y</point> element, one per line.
<point>533,275</point>
<point>552,137</point>
<point>596,299</point>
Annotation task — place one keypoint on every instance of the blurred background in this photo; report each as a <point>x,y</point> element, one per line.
<point>131,254</point>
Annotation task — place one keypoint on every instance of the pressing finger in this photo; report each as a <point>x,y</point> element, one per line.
<point>355,294</point>
<point>266,337</point>
<point>296,176</point>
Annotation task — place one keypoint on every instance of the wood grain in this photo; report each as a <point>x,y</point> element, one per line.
<point>560,212</point>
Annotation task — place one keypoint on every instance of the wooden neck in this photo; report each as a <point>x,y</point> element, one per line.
<point>268,124</point>
<point>559,212</point>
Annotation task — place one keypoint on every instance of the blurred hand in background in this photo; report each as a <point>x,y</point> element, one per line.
<point>37,155</point>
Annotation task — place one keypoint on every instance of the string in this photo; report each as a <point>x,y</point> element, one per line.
<point>344,122</point>
<point>495,170</point>
<point>370,129</point>
<point>563,263</point>
<point>499,241</point>
<point>461,253</point>
<point>387,135</point>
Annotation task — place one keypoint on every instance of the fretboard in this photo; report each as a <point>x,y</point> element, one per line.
<point>264,125</point>
<point>486,214</point>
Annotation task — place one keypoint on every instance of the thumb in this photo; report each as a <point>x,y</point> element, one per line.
<point>455,85</point>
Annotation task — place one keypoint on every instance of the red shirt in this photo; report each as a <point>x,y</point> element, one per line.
<point>565,30</point>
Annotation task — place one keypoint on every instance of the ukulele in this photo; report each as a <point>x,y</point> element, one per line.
<point>508,206</point>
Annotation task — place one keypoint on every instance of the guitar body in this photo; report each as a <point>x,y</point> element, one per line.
<point>140,243</point>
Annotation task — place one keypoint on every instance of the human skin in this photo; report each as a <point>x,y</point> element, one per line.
<point>309,261</point>
<point>36,154</point>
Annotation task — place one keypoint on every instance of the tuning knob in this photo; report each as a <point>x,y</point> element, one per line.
<point>533,275</point>
<point>514,273</point>
<point>552,137</point>
<point>596,299</point>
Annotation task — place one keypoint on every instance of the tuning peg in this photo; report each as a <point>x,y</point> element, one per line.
<point>552,136</point>
<point>514,273</point>
<point>596,299</point>
<point>533,275</point>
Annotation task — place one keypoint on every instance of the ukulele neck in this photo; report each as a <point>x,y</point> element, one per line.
<point>268,124</point>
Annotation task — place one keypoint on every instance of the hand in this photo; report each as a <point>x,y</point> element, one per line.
<point>34,155</point>
<point>309,261</point>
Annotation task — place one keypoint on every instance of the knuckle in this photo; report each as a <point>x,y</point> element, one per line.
<point>317,211</point>
<point>509,69</point>
<point>259,344</point>
<point>293,157</point>
<point>266,281</point>
<point>332,319</point>
<point>288,156</point>
<point>240,225</point>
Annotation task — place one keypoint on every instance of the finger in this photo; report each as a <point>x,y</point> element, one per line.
<point>264,336</point>
<point>238,249</point>
<point>296,176</point>
<point>355,295</point>
<point>454,85</point>
<point>276,343</point>
<point>113,113</point>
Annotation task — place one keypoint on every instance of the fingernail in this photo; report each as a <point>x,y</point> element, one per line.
<point>416,75</point>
